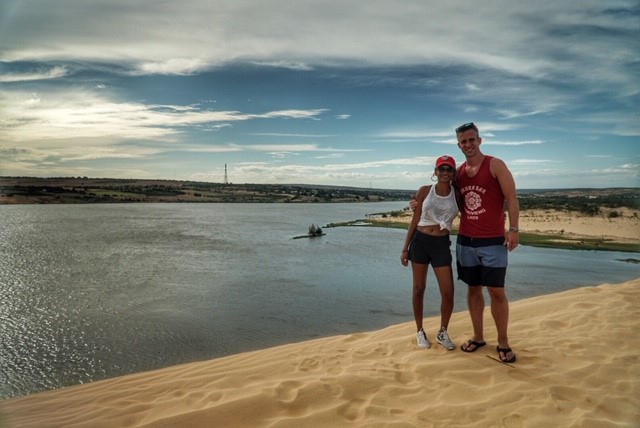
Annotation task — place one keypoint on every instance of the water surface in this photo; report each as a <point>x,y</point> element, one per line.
<point>95,291</point>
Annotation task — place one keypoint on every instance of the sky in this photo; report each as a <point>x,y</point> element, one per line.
<point>333,92</point>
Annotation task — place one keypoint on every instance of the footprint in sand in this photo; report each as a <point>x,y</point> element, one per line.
<point>352,410</point>
<point>287,391</point>
<point>404,375</point>
<point>381,350</point>
<point>309,364</point>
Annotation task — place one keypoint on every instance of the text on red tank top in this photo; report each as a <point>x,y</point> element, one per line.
<point>483,214</point>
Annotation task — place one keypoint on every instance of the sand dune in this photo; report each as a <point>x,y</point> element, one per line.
<point>625,227</point>
<point>578,366</point>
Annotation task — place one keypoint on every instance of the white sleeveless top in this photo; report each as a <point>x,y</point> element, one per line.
<point>440,210</point>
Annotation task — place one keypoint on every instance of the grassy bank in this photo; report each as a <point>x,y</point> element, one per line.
<point>531,239</point>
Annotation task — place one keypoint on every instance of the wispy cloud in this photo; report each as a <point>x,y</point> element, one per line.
<point>293,65</point>
<point>283,147</point>
<point>362,173</point>
<point>536,161</point>
<point>278,33</point>
<point>51,73</point>
<point>277,134</point>
<point>88,114</point>
<point>330,92</point>
<point>511,143</point>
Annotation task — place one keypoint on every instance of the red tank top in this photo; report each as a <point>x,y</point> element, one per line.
<point>483,213</point>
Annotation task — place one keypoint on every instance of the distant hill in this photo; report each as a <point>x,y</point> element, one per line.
<point>586,201</point>
<point>64,190</point>
<point>33,190</point>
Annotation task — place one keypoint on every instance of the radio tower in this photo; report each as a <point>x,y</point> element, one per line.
<point>226,178</point>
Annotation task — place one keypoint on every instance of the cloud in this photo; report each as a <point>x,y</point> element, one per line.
<point>535,161</point>
<point>299,66</point>
<point>176,76</point>
<point>520,62</point>
<point>446,134</point>
<point>93,153</point>
<point>278,149</point>
<point>282,134</point>
<point>290,114</point>
<point>151,36</point>
<point>331,156</point>
<point>87,114</point>
<point>283,147</point>
<point>69,159</point>
<point>361,173</point>
<point>231,148</point>
<point>512,143</point>
<point>512,114</point>
<point>175,66</point>
<point>408,135</point>
<point>27,76</point>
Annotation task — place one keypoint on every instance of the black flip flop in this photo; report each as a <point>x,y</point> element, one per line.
<point>505,351</point>
<point>477,345</point>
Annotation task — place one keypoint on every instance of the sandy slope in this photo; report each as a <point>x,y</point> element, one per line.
<point>578,366</point>
<point>624,228</point>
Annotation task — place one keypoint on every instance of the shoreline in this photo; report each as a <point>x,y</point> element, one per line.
<point>577,365</point>
<point>85,190</point>
<point>551,229</point>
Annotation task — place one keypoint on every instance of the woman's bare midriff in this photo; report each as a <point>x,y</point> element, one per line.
<point>432,230</point>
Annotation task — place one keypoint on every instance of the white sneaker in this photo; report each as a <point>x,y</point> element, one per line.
<point>423,342</point>
<point>443,339</point>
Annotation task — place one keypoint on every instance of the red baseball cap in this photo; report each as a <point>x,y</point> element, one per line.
<point>446,160</point>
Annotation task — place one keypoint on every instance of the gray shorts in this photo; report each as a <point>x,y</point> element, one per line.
<point>481,261</point>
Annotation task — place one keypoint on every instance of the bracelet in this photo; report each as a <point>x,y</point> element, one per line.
<point>514,229</point>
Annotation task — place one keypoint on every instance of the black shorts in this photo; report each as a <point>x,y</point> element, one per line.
<point>427,249</point>
<point>481,261</point>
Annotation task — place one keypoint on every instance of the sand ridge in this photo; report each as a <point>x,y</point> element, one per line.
<point>578,365</point>
<point>624,228</point>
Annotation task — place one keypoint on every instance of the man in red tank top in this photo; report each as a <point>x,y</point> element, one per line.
<point>482,245</point>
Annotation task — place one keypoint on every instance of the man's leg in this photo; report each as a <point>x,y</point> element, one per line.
<point>500,312</point>
<point>475,300</point>
<point>470,271</point>
<point>495,261</point>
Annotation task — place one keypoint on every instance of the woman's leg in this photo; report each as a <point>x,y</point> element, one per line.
<point>444,275</point>
<point>419,286</point>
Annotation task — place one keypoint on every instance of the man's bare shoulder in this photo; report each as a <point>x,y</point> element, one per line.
<point>497,166</point>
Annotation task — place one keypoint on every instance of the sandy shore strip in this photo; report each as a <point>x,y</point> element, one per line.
<point>578,366</point>
<point>623,228</point>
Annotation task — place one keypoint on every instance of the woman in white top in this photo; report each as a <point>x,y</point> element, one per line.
<point>428,241</point>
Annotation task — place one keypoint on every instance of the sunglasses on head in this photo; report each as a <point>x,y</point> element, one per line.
<point>445,168</point>
<point>466,127</point>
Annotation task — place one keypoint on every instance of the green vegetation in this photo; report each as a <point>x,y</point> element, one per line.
<point>314,231</point>
<point>14,190</point>
<point>585,201</point>
<point>531,239</point>
<point>559,241</point>
<point>34,190</point>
